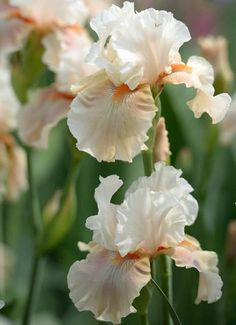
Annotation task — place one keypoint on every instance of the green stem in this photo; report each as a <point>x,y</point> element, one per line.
<point>3,221</point>
<point>165,263</point>
<point>32,291</point>
<point>171,310</point>
<point>2,236</point>
<point>166,284</point>
<point>37,224</point>
<point>144,319</point>
<point>35,208</point>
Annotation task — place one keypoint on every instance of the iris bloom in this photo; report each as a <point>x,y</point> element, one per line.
<point>12,157</point>
<point>20,17</point>
<point>135,51</point>
<point>126,237</point>
<point>64,55</point>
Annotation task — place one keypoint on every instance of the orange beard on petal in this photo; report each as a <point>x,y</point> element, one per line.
<point>120,91</point>
<point>176,67</point>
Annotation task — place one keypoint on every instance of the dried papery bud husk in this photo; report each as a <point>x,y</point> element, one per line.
<point>13,165</point>
<point>215,50</point>
<point>231,243</point>
<point>161,150</point>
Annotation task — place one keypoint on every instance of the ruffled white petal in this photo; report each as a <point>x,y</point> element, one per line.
<point>209,288</point>
<point>215,106</point>
<point>107,285</point>
<point>13,33</point>
<point>111,122</point>
<point>149,221</point>
<point>189,254</point>
<point>57,11</point>
<point>103,225</point>
<point>168,179</point>
<point>46,107</point>
<point>65,55</point>
<point>107,188</point>
<point>143,56</point>
<point>130,57</point>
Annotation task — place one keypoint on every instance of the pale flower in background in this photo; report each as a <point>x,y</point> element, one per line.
<point>95,7</point>
<point>12,157</point>
<point>215,50</point>
<point>231,242</point>
<point>105,113</point>
<point>20,17</point>
<point>228,126</point>
<point>64,55</point>
<point>151,221</point>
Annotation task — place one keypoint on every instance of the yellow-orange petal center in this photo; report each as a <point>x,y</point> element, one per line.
<point>120,91</point>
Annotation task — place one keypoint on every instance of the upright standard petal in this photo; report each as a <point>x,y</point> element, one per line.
<point>133,58</point>
<point>46,107</point>
<point>107,285</point>
<point>103,225</point>
<point>148,221</point>
<point>168,179</point>
<point>189,254</point>
<point>111,122</point>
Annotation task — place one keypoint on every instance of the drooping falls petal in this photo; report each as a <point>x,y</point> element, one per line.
<point>103,225</point>
<point>46,107</point>
<point>107,284</point>
<point>215,106</point>
<point>189,254</point>
<point>148,221</point>
<point>111,122</point>
<point>168,179</point>
<point>199,74</point>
